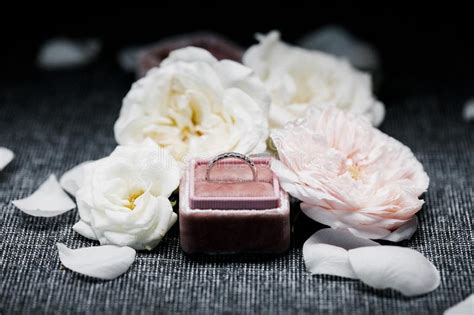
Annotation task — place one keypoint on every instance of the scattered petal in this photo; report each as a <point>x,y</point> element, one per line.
<point>71,181</point>
<point>404,232</point>
<point>104,262</point>
<point>468,111</point>
<point>48,201</point>
<point>399,268</point>
<point>325,252</point>
<point>61,53</point>
<point>327,259</point>
<point>128,57</point>
<point>6,156</point>
<point>465,307</point>
<point>335,40</point>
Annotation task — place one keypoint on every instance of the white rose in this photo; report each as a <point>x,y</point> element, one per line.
<point>123,199</point>
<point>297,79</point>
<point>193,105</point>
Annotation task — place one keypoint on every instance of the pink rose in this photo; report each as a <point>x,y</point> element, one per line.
<point>350,175</point>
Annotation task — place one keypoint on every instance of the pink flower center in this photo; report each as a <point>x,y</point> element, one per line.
<point>353,169</point>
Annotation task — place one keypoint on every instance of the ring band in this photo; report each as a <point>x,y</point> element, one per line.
<point>228,155</point>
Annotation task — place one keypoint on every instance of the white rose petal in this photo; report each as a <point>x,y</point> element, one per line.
<point>336,40</point>
<point>327,259</point>
<point>325,252</point>
<point>72,180</point>
<point>104,262</point>
<point>85,230</point>
<point>298,79</point>
<point>62,53</point>
<point>189,54</point>
<point>6,156</point>
<point>196,106</point>
<point>399,268</point>
<point>468,110</point>
<point>124,197</point>
<point>404,232</point>
<point>48,201</point>
<point>465,307</point>
<point>128,57</point>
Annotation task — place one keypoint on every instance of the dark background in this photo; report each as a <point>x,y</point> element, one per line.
<point>431,42</point>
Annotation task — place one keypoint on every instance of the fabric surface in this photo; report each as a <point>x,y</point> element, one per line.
<point>57,120</point>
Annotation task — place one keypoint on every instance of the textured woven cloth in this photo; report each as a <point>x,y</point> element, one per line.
<point>58,120</point>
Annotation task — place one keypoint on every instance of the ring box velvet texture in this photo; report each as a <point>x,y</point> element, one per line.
<point>233,213</point>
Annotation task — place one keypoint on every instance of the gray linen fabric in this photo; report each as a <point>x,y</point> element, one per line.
<point>60,119</point>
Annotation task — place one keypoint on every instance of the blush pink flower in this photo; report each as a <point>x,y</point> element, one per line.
<point>349,175</point>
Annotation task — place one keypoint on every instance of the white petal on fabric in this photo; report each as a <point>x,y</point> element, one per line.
<point>104,262</point>
<point>48,201</point>
<point>399,268</point>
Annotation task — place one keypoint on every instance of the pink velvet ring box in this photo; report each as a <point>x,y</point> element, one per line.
<point>234,212</point>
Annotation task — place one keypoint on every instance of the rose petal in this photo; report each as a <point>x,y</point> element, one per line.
<point>338,41</point>
<point>399,268</point>
<point>376,113</point>
<point>235,74</point>
<point>325,252</point>
<point>85,230</point>
<point>330,218</point>
<point>404,232</point>
<point>48,201</point>
<point>340,238</point>
<point>327,259</point>
<point>6,156</point>
<point>128,57</point>
<point>283,172</point>
<point>468,110</point>
<point>464,307</point>
<point>63,53</point>
<point>189,54</point>
<point>343,221</point>
<point>71,180</point>
<point>104,262</point>
<point>173,219</point>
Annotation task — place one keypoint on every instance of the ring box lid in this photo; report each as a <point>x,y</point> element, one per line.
<point>232,185</point>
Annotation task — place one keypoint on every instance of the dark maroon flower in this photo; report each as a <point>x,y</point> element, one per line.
<point>218,46</point>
